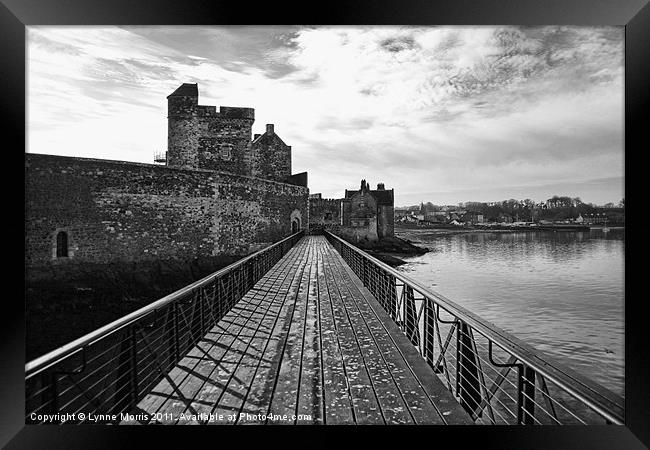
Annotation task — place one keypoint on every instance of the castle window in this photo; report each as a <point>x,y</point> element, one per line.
<point>224,152</point>
<point>62,244</point>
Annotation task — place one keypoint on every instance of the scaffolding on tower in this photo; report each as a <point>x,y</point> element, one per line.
<point>160,157</point>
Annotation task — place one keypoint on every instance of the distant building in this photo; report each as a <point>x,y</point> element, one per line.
<point>473,218</point>
<point>595,218</point>
<point>368,214</point>
<point>505,218</point>
<point>361,214</point>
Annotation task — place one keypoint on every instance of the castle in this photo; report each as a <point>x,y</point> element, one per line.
<point>221,192</point>
<point>362,213</point>
<point>200,137</point>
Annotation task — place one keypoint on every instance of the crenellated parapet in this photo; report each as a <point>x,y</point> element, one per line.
<point>202,137</point>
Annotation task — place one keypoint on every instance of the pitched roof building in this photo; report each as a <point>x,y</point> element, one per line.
<point>368,213</point>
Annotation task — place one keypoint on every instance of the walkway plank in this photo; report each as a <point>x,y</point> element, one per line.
<point>336,389</point>
<point>307,345</point>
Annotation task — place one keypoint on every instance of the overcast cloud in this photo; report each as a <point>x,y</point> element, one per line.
<point>440,114</point>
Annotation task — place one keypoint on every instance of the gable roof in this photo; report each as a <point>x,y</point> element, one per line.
<point>382,197</point>
<point>268,139</point>
<point>186,90</point>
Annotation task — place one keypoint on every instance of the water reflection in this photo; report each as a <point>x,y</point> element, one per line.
<point>561,292</point>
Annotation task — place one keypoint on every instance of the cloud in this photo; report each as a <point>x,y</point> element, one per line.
<point>423,109</point>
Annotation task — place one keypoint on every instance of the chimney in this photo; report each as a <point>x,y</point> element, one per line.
<point>380,187</point>
<point>269,128</point>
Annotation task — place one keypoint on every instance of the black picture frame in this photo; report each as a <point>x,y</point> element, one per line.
<point>15,15</point>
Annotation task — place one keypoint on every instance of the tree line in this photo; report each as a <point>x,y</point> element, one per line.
<point>527,210</point>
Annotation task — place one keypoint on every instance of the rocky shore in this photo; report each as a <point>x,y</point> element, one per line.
<point>390,250</point>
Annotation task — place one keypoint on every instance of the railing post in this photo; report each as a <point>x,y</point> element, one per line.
<point>391,299</point>
<point>124,375</point>
<point>53,391</point>
<point>134,366</point>
<point>176,340</point>
<point>364,265</point>
<point>468,381</point>
<point>251,267</point>
<point>527,396</point>
<point>201,297</point>
<point>429,332</point>
<point>410,310</point>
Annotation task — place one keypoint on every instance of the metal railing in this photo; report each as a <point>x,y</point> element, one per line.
<point>107,372</point>
<point>496,377</point>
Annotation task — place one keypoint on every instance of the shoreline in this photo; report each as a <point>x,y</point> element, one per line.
<point>401,231</point>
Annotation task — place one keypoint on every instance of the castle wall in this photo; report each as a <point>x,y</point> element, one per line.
<point>271,157</point>
<point>123,211</point>
<point>386,221</point>
<point>324,213</point>
<point>366,230</point>
<point>272,161</point>
<point>254,213</point>
<point>224,139</point>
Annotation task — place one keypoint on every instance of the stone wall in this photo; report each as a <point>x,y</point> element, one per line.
<point>122,211</point>
<point>271,157</point>
<point>254,213</point>
<point>325,211</point>
<point>386,221</point>
<point>363,230</point>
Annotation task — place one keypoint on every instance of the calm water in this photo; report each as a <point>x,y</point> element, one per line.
<point>562,293</point>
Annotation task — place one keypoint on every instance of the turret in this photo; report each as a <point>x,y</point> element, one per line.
<point>201,137</point>
<point>182,132</point>
<point>183,101</point>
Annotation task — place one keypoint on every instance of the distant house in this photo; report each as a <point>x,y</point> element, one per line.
<point>367,213</point>
<point>471,217</point>
<point>595,218</point>
<point>579,219</point>
<point>504,218</point>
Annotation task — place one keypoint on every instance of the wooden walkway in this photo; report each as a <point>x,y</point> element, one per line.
<point>307,345</point>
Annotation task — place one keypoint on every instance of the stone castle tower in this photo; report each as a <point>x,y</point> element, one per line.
<point>201,137</point>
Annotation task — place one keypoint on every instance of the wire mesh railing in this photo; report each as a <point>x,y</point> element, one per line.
<point>103,375</point>
<point>496,377</point>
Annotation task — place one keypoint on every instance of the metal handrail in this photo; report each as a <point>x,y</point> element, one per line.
<point>608,404</point>
<point>46,361</point>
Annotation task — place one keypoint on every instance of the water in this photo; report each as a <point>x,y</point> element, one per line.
<point>562,292</point>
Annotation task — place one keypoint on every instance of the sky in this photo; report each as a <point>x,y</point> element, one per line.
<point>440,114</point>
